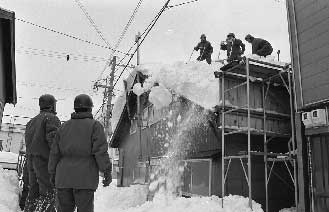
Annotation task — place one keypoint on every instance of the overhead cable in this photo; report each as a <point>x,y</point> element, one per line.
<point>146,33</point>
<point>69,36</point>
<point>181,4</point>
<point>92,22</point>
<point>121,38</point>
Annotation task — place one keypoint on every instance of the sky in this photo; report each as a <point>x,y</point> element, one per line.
<point>172,39</point>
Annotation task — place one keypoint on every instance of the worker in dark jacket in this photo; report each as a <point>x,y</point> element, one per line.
<point>260,46</point>
<point>234,48</point>
<point>39,134</point>
<point>205,49</point>
<point>77,155</point>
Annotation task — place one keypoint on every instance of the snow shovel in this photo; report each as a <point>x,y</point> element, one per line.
<point>190,56</point>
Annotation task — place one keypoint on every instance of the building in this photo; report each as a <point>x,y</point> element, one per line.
<point>309,39</point>
<point>7,59</point>
<point>12,137</point>
<point>256,136</point>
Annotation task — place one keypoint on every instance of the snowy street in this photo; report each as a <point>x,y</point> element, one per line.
<point>132,199</point>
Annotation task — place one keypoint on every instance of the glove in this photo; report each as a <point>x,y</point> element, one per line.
<point>52,180</point>
<point>107,177</point>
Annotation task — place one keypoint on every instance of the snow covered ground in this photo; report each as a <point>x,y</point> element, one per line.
<point>8,160</point>
<point>9,191</point>
<point>133,199</point>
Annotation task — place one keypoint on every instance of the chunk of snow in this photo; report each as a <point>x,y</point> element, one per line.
<point>194,80</point>
<point>160,97</point>
<point>138,89</point>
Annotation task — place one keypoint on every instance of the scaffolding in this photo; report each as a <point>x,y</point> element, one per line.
<point>265,73</point>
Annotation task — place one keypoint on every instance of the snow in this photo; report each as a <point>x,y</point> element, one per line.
<point>288,210</point>
<point>134,199</point>
<point>9,191</point>
<point>119,199</point>
<point>118,106</point>
<point>193,80</point>
<point>8,157</point>
<point>269,59</point>
<point>160,97</point>
<point>8,160</point>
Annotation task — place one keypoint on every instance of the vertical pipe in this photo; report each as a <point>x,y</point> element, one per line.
<point>297,52</point>
<point>265,145</point>
<point>293,135</point>
<point>310,169</point>
<point>210,176</point>
<point>249,143</point>
<point>223,138</point>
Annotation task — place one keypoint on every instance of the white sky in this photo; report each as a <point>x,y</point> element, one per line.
<point>172,39</point>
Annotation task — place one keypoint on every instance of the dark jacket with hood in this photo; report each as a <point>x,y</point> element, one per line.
<point>79,152</point>
<point>261,47</point>
<point>40,133</point>
<point>234,49</point>
<point>205,48</point>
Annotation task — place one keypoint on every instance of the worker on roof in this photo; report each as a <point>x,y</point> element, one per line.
<point>260,46</point>
<point>234,48</point>
<point>205,49</point>
<point>78,153</point>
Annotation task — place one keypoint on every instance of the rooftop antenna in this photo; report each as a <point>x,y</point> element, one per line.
<point>278,53</point>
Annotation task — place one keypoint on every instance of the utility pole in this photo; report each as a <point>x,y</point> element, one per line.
<point>109,94</point>
<point>139,114</point>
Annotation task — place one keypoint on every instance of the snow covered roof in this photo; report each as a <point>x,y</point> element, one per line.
<point>193,80</point>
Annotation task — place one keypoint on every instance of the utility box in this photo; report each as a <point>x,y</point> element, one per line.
<point>307,119</point>
<point>319,117</point>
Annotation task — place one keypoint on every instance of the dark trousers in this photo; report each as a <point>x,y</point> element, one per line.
<point>41,192</point>
<point>25,187</point>
<point>205,57</point>
<point>70,198</point>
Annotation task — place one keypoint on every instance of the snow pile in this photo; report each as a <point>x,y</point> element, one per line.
<point>160,97</point>
<point>269,59</point>
<point>194,80</point>
<point>8,160</point>
<point>8,157</point>
<point>117,199</point>
<point>117,110</point>
<point>292,209</point>
<point>197,204</point>
<point>9,191</point>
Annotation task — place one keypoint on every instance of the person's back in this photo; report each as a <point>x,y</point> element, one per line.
<point>39,135</point>
<point>79,140</point>
<point>260,46</point>
<point>78,154</point>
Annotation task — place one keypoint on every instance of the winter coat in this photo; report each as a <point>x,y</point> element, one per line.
<point>234,49</point>
<point>40,132</point>
<point>261,47</point>
<point>79,152</point>
<point>205,49</point>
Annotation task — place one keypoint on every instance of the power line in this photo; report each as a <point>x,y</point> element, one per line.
<point>146,33</point>
<point>61,55</point>
<point>121,38</point>
<point>69,36</point>
<point>176,5</point>
<point>92,22</point>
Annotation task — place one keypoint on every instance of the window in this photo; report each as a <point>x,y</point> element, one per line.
<point>197,177</point>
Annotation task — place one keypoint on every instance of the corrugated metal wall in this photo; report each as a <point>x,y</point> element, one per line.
<point>309,33</point>
<point>320,172</point>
